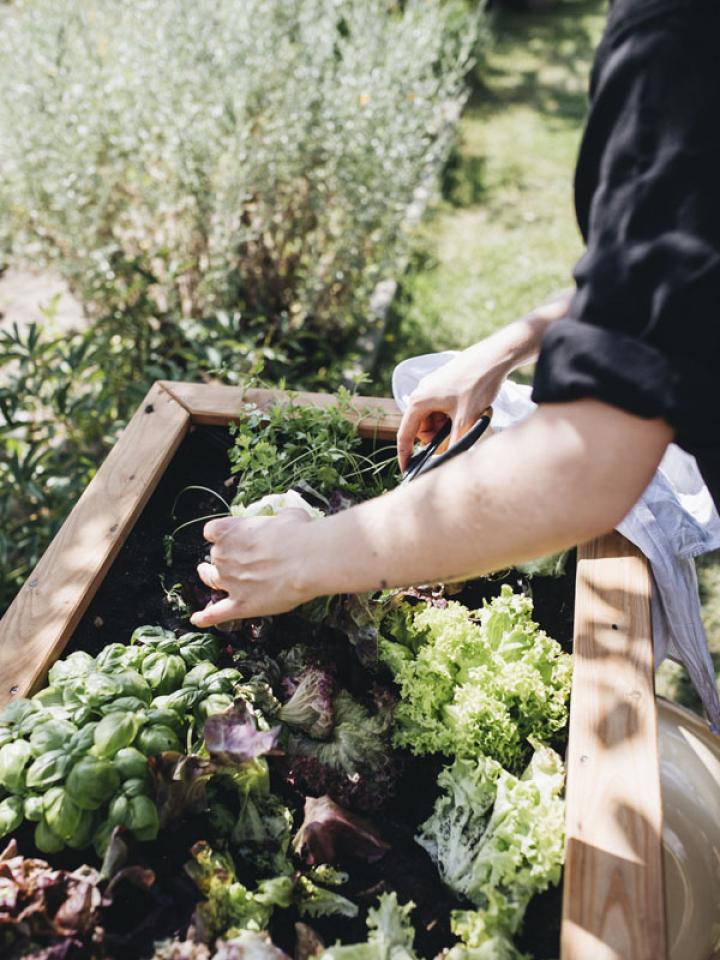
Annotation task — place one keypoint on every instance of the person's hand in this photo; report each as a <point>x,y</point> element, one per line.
<point>462,389</point>
<point>459,391</point>
<point>258,562</point>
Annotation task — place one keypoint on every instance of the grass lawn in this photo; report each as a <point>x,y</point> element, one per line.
<point>503,237</point>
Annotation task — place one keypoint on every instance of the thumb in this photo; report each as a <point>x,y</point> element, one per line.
<point>219,612</point>
<point>213,530</point>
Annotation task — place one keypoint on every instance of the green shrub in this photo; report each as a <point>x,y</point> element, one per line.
<point>64,398</point>
<point>239,155</point>
<point>222,183</point>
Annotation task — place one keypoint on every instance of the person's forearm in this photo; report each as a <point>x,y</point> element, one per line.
<point>567,473</point>
<point>520,340</point>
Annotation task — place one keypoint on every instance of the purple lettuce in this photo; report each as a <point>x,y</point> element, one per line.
<point>330,834</point>
<point>43,904</point>
<point>310,707</point>
<point>355,765</point>
<point>233,736</point>
<point>60,912</point>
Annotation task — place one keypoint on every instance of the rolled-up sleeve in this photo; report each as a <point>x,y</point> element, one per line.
<point>581,360</point>
<point>643,329</point>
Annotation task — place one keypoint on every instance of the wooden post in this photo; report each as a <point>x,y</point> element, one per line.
<point>42,617</point>
<point>613,905</point>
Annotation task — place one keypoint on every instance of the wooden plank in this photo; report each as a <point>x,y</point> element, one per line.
<point>41,619</point>
<point>218,404</point>
<point>613,902</point>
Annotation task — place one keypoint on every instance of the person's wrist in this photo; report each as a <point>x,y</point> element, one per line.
<point>520,340</point>
<point>524,338</point>
<point>308,570</point>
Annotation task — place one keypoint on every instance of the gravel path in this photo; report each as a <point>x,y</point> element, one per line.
<point>25,294</point>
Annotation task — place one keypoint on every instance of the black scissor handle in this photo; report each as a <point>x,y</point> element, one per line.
<point>417,460</point>
<point>423,461</point>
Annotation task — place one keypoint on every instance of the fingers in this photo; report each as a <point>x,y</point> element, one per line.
<point>220,612</point>
<point>236,552</point>
<point>406,434</point>
<point>422,425</point>
<point>430,426</point>
<point>417,422</point>
<point>209,575</point>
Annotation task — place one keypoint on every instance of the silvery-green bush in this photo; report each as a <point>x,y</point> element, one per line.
<point>205,155</point>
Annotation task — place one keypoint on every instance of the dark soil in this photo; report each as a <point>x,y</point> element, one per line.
<point>135,590</point>
<point>139,589</point>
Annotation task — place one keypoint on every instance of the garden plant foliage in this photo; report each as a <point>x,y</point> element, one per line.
<point>73,759</point>
<point>222,185</point>
<point>258,157</point>
<point>498,840</point>
<point>317,448</point>
<point>278,764</point>
<point>476,685</point>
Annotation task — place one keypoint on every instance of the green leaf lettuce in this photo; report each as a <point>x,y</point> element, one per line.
<point>497,839</point>
<point>476,685</point>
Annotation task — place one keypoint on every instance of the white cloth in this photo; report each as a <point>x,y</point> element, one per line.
<point>673,522</point>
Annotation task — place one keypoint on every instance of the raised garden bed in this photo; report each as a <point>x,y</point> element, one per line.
<point>99,580</point>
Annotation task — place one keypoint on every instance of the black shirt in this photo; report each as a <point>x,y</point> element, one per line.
<point>643,331</point>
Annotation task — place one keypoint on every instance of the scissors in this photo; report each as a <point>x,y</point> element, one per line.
<point>423,461</point>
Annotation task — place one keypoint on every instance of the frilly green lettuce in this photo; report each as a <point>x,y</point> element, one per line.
<point>390,934</point>
<point>476,684</point>
<point>497,840</point>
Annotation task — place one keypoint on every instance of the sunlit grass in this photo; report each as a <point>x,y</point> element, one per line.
<point>504,237</point>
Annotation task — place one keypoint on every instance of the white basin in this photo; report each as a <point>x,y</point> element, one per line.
<point>690,778</point>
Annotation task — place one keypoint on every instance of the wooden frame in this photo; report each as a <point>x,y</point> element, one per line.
<point>613,906</point>
<point>614,892</point>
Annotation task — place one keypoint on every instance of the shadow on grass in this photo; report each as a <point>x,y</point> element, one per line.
<point>560,39</point>
<point>540,61</point>
<point>464,182</point>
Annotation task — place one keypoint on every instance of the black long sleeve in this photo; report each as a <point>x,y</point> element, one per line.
<point>643,331</point>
